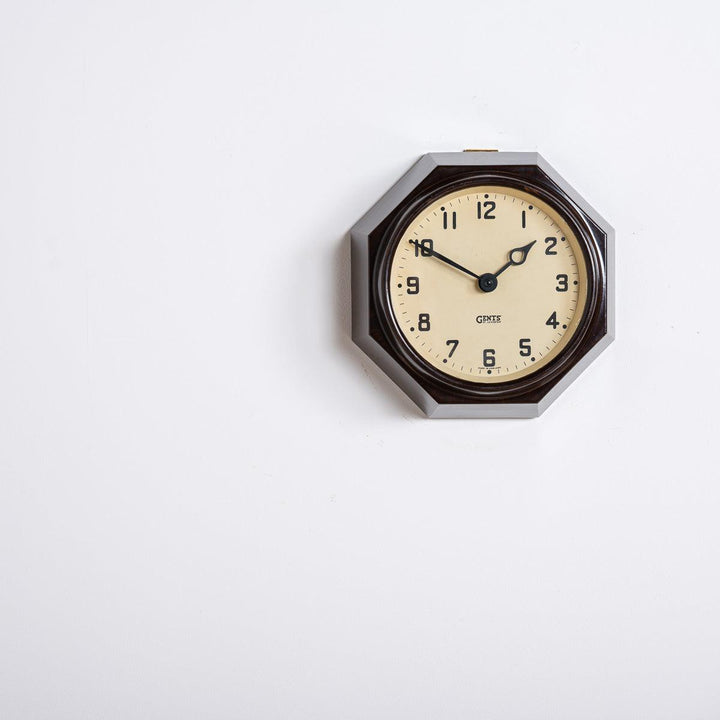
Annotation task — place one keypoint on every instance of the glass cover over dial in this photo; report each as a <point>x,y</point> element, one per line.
<point>488,284</point>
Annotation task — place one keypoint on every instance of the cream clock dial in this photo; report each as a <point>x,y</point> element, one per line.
<point>488,284</point>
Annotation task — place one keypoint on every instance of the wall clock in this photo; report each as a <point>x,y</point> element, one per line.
<point>482,284</point>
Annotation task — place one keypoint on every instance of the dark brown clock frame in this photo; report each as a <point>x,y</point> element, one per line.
<point>375,329</point>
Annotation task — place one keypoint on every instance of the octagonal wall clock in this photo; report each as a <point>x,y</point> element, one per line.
<point>482,284</point>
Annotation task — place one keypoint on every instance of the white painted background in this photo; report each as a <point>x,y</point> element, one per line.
<point>211,504</point>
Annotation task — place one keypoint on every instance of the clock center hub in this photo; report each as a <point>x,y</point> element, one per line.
<point>487,282</point>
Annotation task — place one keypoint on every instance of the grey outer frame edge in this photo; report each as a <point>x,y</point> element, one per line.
<point>359,238</point>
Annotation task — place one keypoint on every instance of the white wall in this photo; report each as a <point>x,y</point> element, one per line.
<point>211,503</point>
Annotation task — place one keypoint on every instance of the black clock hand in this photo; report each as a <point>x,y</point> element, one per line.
<point>447,260</point>
<point>524,250</point>
<point>488,281</point>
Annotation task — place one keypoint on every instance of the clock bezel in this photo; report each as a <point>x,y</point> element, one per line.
<point>530,384</point>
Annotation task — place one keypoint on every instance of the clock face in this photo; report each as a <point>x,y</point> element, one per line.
<point>488,284</point>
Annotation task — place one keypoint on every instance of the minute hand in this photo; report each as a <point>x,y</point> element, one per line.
<point>447,260</point>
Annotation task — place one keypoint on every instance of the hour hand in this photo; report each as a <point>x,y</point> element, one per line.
<point>429,251</point>
<point>517,256</point>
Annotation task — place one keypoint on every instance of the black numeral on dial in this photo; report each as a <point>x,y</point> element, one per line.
<point>485,210</point>
<point>424,248</point>
<point>551,242</point>
<point>525,347</point>
<point>562,281</point>
<point>454,344</point>
<point>552,321</point>
<point>423,322</point>
<point>413,285</point>
<point>489,357</point>
<point>449,219</point>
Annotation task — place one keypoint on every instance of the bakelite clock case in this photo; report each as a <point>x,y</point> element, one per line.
<point>375,235</point>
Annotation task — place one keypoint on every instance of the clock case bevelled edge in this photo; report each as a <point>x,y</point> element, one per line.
<point>366,330</point>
